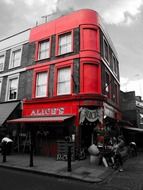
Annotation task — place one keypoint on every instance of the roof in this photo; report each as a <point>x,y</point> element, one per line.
<point>6,110</point>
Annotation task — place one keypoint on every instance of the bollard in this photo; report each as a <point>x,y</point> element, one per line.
<point>69,158</point>
<point>4,151</point>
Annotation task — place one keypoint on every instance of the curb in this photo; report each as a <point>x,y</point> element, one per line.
<point>65,175</point>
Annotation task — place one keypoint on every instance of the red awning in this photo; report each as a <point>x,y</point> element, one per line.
<point>40,119</point>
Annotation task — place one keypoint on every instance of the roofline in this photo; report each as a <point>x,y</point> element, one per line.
<point>14,34</point>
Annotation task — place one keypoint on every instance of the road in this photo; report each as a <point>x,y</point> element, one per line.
<point>130,179</point>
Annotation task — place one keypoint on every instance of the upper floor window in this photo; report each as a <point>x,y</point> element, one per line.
<point>64,81</point>
<point>107,84</point>
<point>115,70</point>
<point>105,50</point>
<point>65,43</point>
<point>12,87</point>
<point>44,50</point>
<point>15,59</point>
<point>115,93</point>
<point>0,85</point>
<point>41,84</point>
<point>2,60</point>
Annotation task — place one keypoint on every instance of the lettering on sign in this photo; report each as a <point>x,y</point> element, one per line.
<point>47,111</point>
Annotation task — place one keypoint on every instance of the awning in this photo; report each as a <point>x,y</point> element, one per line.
<point>134,129</point>
<point>6,110</point>
<point>40,119</point>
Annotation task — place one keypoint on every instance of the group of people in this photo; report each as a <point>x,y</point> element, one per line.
<point>113,152</point>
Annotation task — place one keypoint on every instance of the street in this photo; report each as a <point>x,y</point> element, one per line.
<point>130,179</point>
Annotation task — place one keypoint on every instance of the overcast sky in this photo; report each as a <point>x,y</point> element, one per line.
<point>123,20</point>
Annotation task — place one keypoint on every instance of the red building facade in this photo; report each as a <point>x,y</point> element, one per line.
<point>75,85</point>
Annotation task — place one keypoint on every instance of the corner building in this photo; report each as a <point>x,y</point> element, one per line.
<point>74,85</point>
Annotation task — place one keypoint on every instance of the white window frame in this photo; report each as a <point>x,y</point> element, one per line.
<point>12,77</point>
<point>2,55</point>
<point>65,46</point>
<point>45,84</point>
<point>1,80</point>
<point>46,51</point>
<point>11,63</point>
<point>64,81</point>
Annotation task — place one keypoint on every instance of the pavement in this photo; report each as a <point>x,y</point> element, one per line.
<point>82,170</point>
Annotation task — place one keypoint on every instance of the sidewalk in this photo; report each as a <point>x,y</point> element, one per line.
<point>81,170</point>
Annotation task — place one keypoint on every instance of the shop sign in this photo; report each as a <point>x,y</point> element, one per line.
<point>47,111</point>
<point>109,111</point>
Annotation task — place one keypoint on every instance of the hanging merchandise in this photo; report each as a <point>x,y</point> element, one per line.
<point>91,115</point>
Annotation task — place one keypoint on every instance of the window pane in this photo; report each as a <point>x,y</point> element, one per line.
<point>65,43</point>
<point>16,57</point>
<point>41,84</point>
<point>0,86</point>
<point>13,87</point>
<point>1,62</point>
<point>64,81</point>
<point>44,50</point>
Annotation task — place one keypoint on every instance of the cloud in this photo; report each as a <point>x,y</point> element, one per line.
<point>134,84</point>
<point>113,12</point>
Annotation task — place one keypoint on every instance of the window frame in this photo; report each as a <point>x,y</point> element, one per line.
<point>108,93</point>
<point>37,71</point>
<point>38,47</point>
<point>3,54</point>
<point>12,77</point>
<point>115,68</point>
<point>45,84</point>
<point>58,39</point>
<point>115,94</point>
<point>104,52</point>
<point>1,81</point>
<point>62,66</point>
<point>11,65</point>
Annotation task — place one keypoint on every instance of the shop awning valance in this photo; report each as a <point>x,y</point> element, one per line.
<point>40,119</point>
<point>6,110</point>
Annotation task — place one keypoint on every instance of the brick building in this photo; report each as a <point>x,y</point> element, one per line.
<point>71,83</point>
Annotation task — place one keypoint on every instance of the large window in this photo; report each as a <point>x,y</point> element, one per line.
<point>0,86</point>
<point>65,43</point>
<point>41,84</point>
<point>115,93</point>
<point>44,50</point>
<point>2,60</point>
<point>114,62</point>
<point>107,84</point>
<point>105,50</point>
<point>64,81</point>
<point>12,87</point>
<point>15,59</point>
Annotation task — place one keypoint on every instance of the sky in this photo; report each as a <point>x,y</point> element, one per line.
<point>123,20</point>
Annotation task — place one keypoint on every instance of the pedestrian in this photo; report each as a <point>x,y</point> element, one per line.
<point>120,151</point>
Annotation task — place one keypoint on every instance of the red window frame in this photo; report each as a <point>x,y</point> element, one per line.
<point>38,46</point>
<point>57,42</point>
<point>60,66</point>
<point>36,71</point>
